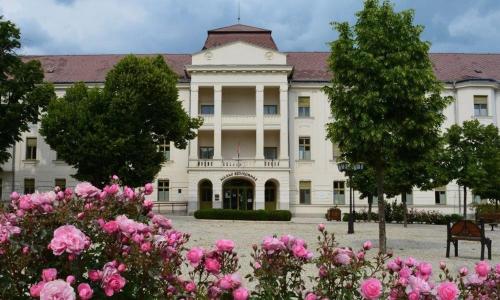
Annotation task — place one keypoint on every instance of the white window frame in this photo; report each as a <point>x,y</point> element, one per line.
<point>304,148</point>
<point>31,149</point>
<point>163,189</point>
<point>339,187</point>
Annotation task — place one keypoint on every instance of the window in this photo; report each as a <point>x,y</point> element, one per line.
<point>476,198</point>
<point>305,192</point>
<point>207,109</point>
<point>440,195</point>
<point>164,147</point>
<point>270,152</point>
<point>29,186</point>
<point>409,198</point>
<point>61,183</point>
<point>480,106</point>
<point>304,107</point>
<point>338,192</point>
<point>163,189</point>
<point>30,148</point>
<point>206,152</point>
<point>270,109</point>
<point>335,151</point>
<point>304,148</point>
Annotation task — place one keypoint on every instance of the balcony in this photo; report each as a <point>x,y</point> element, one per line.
<point>272,121</point>
<point>238,163</point>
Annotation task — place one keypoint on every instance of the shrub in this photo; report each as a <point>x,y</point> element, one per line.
<point>253,215</point>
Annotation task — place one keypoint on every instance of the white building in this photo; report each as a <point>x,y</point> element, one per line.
<point>262,144</point>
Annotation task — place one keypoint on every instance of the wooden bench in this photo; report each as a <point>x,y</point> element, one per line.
<point>492,219</point>
<point>333,214</point>
<point>466,230</point>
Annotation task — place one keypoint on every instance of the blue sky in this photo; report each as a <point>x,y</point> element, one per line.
<point>179,26</point>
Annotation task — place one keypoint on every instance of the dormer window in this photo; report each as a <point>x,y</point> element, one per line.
<point>480,106</point>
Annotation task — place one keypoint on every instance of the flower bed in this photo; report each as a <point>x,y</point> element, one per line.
<point>252,215</point>
<point>99,244</point>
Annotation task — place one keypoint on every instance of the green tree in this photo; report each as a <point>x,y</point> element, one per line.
<point>115,130</point>
<point>23,93</point>
<point>384,97</point>
<point>474,159</point>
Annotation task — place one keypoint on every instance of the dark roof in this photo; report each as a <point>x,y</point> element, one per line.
<point>308,66</point>
<point>239,28</point>
<point>93,68</point>
<point>238,32</point>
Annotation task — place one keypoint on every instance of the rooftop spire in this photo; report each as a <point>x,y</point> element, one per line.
<point>239,12</point>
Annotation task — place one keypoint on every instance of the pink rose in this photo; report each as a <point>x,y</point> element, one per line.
<point>212,265</point>
<point>162,221</point>
<point>49,274</point>
<point>194,256</point>
<point>321,227</point>
<point>405,272</point>
<point>148,204</point>
<point>57,289</point>
<point>122,268</point>
<point>68,239</point>
<point>115,177</point>
<point>425,269</point>
<point>85,291</point>
<point>94,275</point>
<point>112,189</point>
<point>190,287</point>
<point>463,271</point>
<point>224,245</point>
<point>447,291</point>
<point>148,189</point>
<point>367,245</point>
<point>497,268</point>
<point>129,193</point>
<point>240,293</point>
<point>442,265</point>
<point>70,279</point>
<point>111,227</point>
<point>113,284</point>
<point>36,288</point>
<point>228,282</point>
<point>86,190</point>
<point>410,262</point>
<point>310,296</point>
<point>371,289</point>
<point>482,268</point>
<point>146,247</point>
<point>272,244</point>
<point>14,196</point>
<point>300,251</point>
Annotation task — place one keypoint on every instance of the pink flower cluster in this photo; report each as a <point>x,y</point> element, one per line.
<point>51,288</point>
<point>8,228</point>
<point>298,247</point>
<point>109,277</point>
<point>39,202</point>
<point>69,239</point>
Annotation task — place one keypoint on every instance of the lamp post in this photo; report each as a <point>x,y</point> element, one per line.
<point>349,169</point>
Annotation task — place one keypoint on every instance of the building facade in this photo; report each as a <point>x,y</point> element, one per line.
<point>263,141</point>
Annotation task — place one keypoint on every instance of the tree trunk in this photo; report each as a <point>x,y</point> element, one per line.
<point>465,202</point>
<point>370,203</point>
<point>405,210</point>
<point>381,210</point>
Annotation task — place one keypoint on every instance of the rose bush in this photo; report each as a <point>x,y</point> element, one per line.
<point>107,243</point>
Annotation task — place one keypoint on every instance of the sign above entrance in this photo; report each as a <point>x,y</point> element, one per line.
<point>238,173</point>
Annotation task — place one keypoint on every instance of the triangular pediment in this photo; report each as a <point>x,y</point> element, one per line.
<point>239,53</point>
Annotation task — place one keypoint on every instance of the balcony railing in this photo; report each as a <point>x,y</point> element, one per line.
<point>238,163</point>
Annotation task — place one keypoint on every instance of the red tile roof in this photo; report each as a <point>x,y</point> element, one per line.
<point>308,66</point>
<point>93,68</point>
<point>253,35</point>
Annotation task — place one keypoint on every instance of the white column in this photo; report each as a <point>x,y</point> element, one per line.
<point>259,114</point>
<point>259,195</point>
<point>217,121</point>
<point>193,144</point>
<point>217,190</point>
<point>284,122</point>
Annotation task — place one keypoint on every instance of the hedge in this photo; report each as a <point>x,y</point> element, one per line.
<point>395,213</point>
<point>253,215</point>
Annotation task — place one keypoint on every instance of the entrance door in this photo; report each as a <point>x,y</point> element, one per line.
<point>238,194</point>
<point>205,190</point>
<point>270,195</point>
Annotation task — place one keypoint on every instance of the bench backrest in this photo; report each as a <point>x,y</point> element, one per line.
<point>466,228</point>
<point>489,217</point>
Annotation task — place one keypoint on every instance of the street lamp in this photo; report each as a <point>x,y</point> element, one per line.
<point>349,169</point>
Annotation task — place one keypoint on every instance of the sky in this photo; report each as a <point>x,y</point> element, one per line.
<point>180,26</point>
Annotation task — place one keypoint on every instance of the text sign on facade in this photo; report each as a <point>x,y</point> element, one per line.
<point>238,173</point>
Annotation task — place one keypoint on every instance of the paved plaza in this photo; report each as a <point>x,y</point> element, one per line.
<point>425,242</point>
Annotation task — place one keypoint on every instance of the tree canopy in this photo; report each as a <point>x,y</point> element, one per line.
<point>23,93</point>
<point>116,129</point>
<point>385,99</point>
<point>474,158</point>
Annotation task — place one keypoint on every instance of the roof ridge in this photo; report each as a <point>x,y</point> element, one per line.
<point>249,27</point>
<point>102,54</point>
